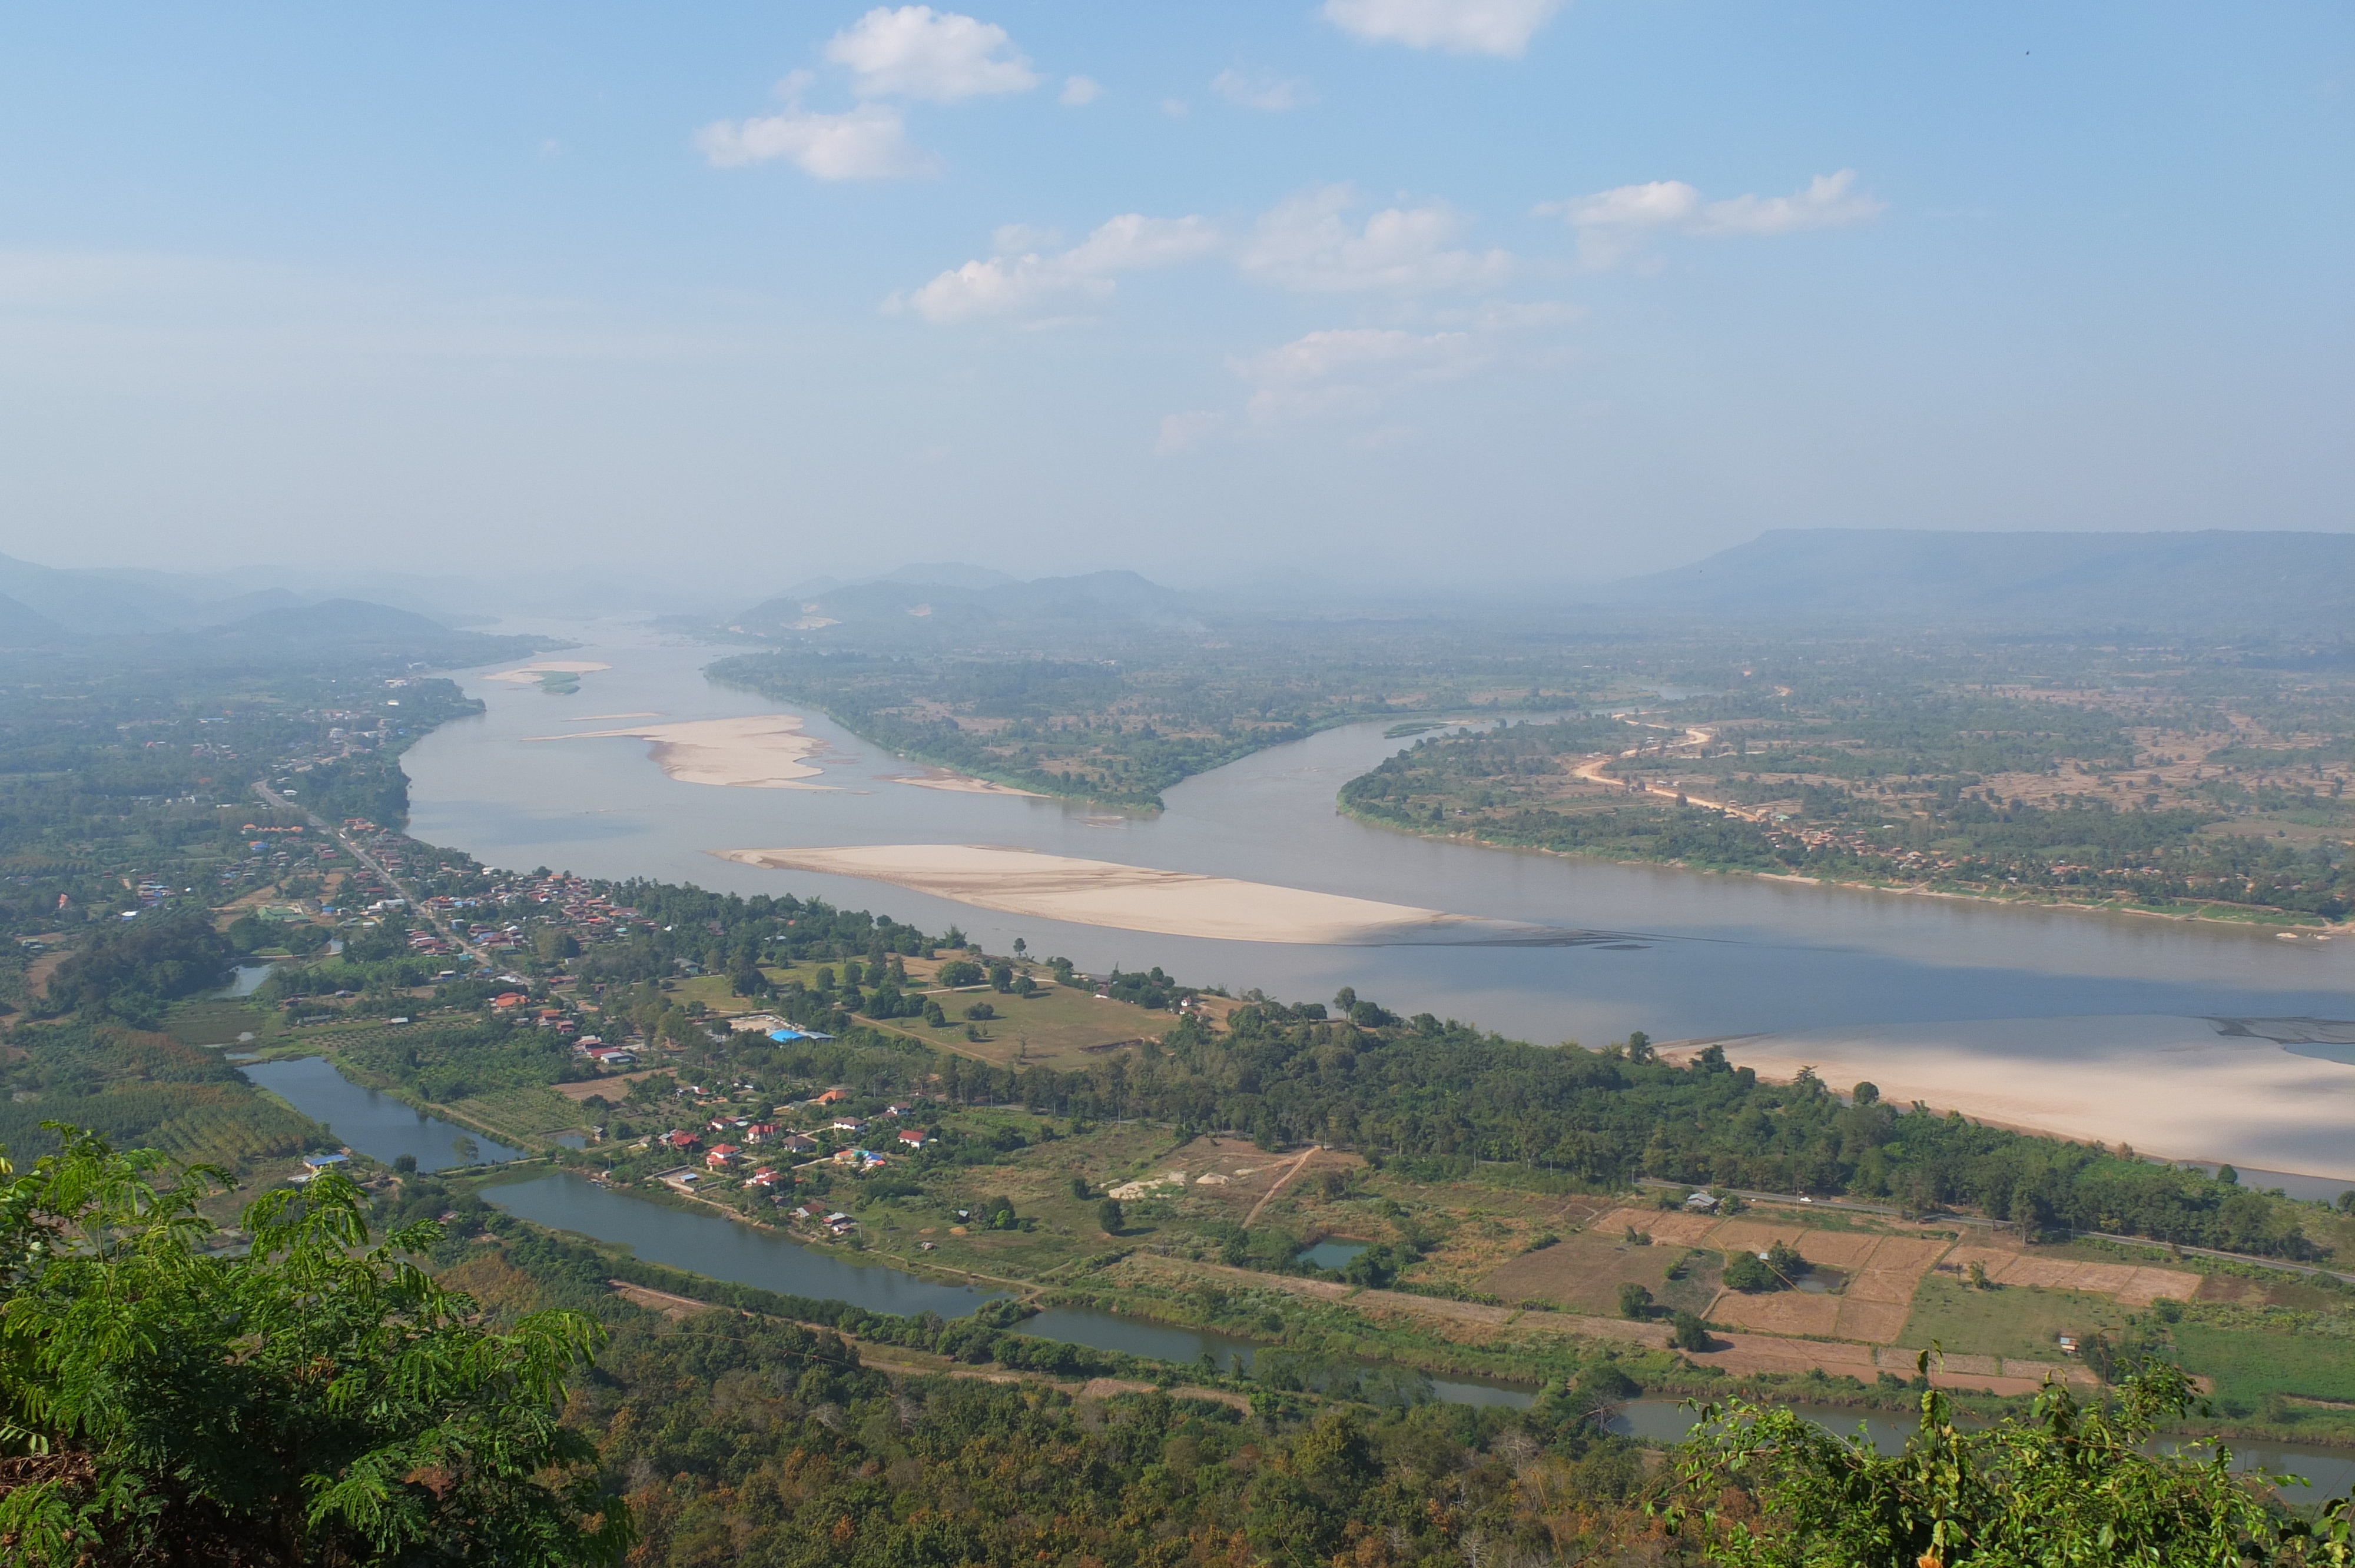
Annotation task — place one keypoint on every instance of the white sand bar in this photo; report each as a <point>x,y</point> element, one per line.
<point>960,784</point>
<point>1104,893</point>
<point>532,673</point>
<point>2170,1086</point>
<point>765,752</point>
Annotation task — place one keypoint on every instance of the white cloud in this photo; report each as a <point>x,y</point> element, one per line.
<point>1502,27</point>
<point>1351,371</point>
<point>1609,222</point>
<point>1001,286</point>
<point>918,52</point>
<point>1079,91</point>
<point>1271,93</point>
<point>1174,107</point>
<point>1024,284</point>
<point>869,143</point>
<point>1830,201</point>
<point>1630,206</point>
<point>1308,244</point>
<point>1133,241</point>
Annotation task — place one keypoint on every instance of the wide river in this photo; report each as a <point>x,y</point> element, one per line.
<point>1685,955</point>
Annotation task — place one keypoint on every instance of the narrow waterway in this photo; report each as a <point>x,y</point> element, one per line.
<point>245,979</point>
<point>718,1247</point>
<point>374,1124</point>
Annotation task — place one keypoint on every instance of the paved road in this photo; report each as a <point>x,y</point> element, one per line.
<point>432,917</point>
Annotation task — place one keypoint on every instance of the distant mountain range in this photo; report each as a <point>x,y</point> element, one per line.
<point>64,609</point>
<point>927,602</point>
<point>2245,581</point>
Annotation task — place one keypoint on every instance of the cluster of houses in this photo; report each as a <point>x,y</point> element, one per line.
<point>726,1145</point>
<point>614,1057</point>
<point>590,916</point>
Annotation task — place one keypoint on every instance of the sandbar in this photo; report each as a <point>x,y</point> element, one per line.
<point>2172,1088</point>
<point>1104,893</point>
<point>531,673</point>
<point>767,751</point>
<point>963,784</point>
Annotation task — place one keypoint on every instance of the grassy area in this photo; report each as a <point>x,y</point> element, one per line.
<point>220,1022</point>
<point>2022,1321</point>
<point>528,1114</point>
<point>2268,1373</point>
<point>1057,1027</point>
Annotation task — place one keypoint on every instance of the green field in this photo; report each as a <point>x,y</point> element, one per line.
<point>220,1022</point>
<point>2018,1320</point>
<point>2249,1365</point>
<point>1053,1028</point>
<point>526,1115</point>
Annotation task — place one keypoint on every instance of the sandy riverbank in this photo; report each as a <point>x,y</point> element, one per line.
<point>2172,1088</point>
<point>530,674</point>
<point>1104,893</point>
<point>767,751</point>
<point>961,784</point>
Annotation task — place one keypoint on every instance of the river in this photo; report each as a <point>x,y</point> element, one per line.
<point>374,1124</point>
<point>1695,956</point>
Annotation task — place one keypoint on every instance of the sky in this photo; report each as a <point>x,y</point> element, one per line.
<point>1376,292</point>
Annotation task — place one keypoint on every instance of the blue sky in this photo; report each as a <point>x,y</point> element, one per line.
<point>1378,291</point>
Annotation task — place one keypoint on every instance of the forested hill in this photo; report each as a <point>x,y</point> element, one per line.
<point>2231,582</point>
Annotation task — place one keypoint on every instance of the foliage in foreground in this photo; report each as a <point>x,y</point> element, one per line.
<point>2072,1485</point>
<point>315,1400</point>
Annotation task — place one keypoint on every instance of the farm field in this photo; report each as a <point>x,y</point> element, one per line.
<point>1058,1027</point>
<point>2250,1367</point>
<point>528,1114</point>
<point>2024,1321</point>
<point>1583,1272</point>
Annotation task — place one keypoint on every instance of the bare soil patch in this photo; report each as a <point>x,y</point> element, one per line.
<point>1660,1225</point>
<point>2128,1284</point>
<point>1779,1311</point>
<point>1585,1272</point>
<point>616,1088</point>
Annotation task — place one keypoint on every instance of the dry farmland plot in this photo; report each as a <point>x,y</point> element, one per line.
<point>2128,1284</point>
<point>1881,1293</point>
<point>1660,1225</point>
<point>1584,1272</point>
<point>1779,1313</point>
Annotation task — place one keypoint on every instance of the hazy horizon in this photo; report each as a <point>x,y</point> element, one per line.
<point>1385,294</point>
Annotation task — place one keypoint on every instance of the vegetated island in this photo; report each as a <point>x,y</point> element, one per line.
<point>2054,798</point>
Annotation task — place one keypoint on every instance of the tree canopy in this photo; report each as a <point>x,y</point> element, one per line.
<point>316,1399</point>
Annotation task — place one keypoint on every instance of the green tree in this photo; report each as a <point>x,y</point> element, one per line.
<point>317,1400</point>
<point>2070,1483</point>
<point>1746,1270</point>
<point>1688,1332</point>
<point>1109,1216</point>
<point>1635,1301</point>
